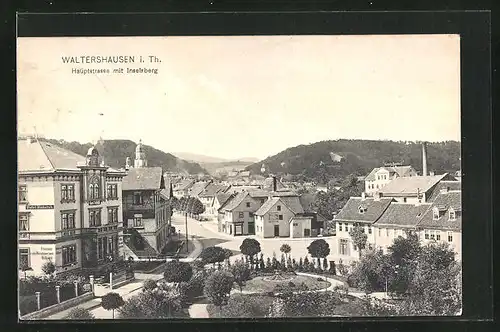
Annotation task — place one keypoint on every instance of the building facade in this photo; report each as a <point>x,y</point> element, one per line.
<point>70,209</point>
<point>146,209</point>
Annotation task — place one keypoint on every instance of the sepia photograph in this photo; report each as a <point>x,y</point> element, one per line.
<point>206,177</point>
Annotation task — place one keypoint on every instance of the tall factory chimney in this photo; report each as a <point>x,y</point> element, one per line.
<point>424,159</point>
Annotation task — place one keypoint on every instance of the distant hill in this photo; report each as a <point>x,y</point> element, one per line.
<point>322,161</point>
<point>217,169</point>
<point>115,152</point>
<point>202,159</point>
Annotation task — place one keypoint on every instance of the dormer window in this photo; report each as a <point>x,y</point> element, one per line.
<point>362,209</point>
<point>435,214</point>
<point>452,214</point>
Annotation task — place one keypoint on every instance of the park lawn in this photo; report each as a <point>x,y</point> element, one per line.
<point>260,285</point>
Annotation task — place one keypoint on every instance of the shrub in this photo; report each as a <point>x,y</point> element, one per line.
<point>159,303</point>
<point>149,284</point>
<point>79,314</point>
<point>218,286</point>
<point>320,279</point>
<point>245,306</point>
<point>48,268</point>
<point>291,284</point>
<point>250,247</point>
<point>212,255</point>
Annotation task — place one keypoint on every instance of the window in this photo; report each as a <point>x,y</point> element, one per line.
<point>433,236</point>
<point>241,215</point>
<point>452,215</point>
<point>426,234</point>
<point>248,204</point>
<point>340,227</point>
<point>138,222</point>
<point>344,247</point>
<point>380,232</point>
<point>112,215</point>
<point>438,235</point>
<point>24,225</point>
<point>68,193</point>
<point>280,217</point>
<point>112,191</point>
<point>24,258</point>
<point>369,230</point>
<point>262,200</point>
<point>94,218</point>
<point>250,214</point>
<point>387,232</point>
<point>68,255</point>
<point>67,220</point>
<point>138,199</point>
<point>23,194</point>
<point>278,207</point>
<point>404,199</point>
<point>450,237</point>
<point>435,214</point>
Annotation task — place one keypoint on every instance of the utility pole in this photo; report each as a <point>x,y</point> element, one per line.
<point>187,238</point>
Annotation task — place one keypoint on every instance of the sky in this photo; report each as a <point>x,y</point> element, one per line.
<point>243,96</point>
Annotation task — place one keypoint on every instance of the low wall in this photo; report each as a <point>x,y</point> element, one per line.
<point>54,309</point>
<point>122,282</point>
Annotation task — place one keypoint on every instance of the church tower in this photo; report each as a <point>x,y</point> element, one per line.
<point>140,156</point>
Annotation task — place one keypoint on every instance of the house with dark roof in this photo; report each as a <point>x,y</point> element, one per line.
<point>397,219</point>
<point>69,208</point>
<point>146,209</point>
<point>443,220</point>
<point>380,176</point>
<point>362,211</point>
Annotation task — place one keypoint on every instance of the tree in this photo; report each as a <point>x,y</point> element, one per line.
<point>212,255</point>
<point>218,286</point>
<point>112,301</point>
<point>250,247</point>
<point>195,206</point>
<point>404,254</point>
<point>48,268</point>
<point>359,238</point>
<point>285,248</point>
<point>176,271</point>
<point>227,255</point>
<point>319,249</point>
<point>241,273</point>
<point>79,314</point>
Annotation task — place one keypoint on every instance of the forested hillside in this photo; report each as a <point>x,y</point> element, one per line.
<point>115,152</point>
<point>323,161</point>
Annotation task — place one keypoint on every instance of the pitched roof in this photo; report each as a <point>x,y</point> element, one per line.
<point>143,178</point>
<point>213,189</point>
<point>306,200</point>
<point>267,206</point>
<point>222,198</point>
<point>184,184</point>
<point>451,199</point>
<point>44,156</point>
<point>402,214</point>
<point>401,171</point>
<point>235,201</point>
<point>293,203</point>
<point>443,185</point>
<point>374,209</point>
<point>269,183</point>
<point>198,188</point>
<point>406,186</point>
<point>224,201</point>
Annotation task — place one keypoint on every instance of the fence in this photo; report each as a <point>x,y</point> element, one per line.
<point>35,294</point>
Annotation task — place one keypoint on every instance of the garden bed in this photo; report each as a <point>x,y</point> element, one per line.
<point>146,266</point>
<point>263,284</point>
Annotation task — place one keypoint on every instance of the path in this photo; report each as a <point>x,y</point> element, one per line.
<point>198,310</point>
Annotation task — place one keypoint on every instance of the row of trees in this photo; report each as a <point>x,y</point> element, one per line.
<point>190,205</point>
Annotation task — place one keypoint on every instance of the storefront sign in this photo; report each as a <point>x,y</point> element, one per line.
<point>47,253</point>
<point>39,207</point>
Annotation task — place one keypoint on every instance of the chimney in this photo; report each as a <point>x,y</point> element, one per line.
<point>275,183</point>
<point>424,159</point>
